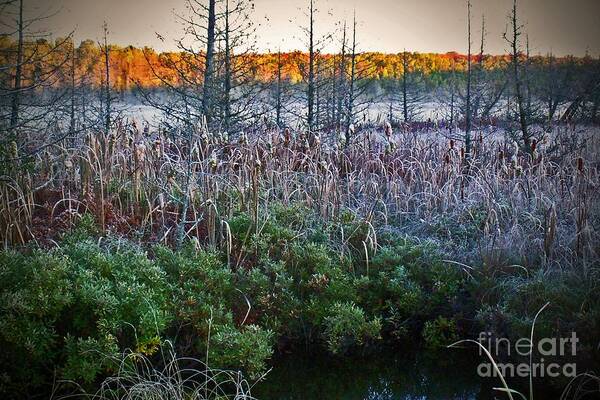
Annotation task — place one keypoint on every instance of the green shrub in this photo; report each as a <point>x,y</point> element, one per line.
<point>248,347</point>
<point>346,326</point>
<point>440,332</point>
<point>88,358</point>
<point>35,292</point>
<point>411,285</point>
<point>75,308</point>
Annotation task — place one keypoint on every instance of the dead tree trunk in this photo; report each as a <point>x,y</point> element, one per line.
<point>209,61</point>
<point>279,87</point>
<point>73,89</point>
<point>514,43</point>
<point>342,82</point>
<point>480,76</point>
<point>468,105</point>
<point>405,86</point>
<point>227,83</point>
<point>16,97</point>
<point>311,69</point>
<point>350,103</point>
<point>107,96</point>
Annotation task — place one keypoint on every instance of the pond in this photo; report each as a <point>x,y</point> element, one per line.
<point>376,377</point>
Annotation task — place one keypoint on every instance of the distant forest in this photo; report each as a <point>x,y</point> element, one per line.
<point>132,67</point>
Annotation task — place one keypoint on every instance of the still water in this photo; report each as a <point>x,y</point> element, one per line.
<point>381,377</point>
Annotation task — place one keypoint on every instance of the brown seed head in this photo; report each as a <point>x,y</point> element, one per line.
<point>580,165</point>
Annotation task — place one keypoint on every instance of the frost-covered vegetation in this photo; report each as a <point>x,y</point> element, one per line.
<point>237,250</point>
<point>257,214</point>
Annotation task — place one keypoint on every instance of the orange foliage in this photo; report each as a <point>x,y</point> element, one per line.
<point>131,66</point>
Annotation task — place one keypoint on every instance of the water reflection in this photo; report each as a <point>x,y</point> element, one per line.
<point>383,377</point>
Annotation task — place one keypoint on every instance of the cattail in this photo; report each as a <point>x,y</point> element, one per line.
<point>514,159</point>
<point>451,144</point>
<point>212,161</point>
<point>388,129</point>
<point>447,158</point>
<point>315,141</point>
<point>533,146</point>
<point>257,162</point>
<point>14,150</point>
<point>112,139</point>
<point>140,152</point>
<point>462,153</point>
<point>580,165</point>
<point>158,146</point>
<point>68,164</point>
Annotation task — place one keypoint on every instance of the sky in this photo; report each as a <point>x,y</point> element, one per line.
<point>560,26</point>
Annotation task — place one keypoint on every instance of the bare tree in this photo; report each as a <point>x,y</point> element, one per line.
<point>73,72</point>
<point>31,97</point>
<point>106,81</point>
<point>314,73</point>
<point>552,83</point>
<point>585,91</point>
<point>215,69</point>
<point>351,83</point>
<point>16,95</point>
<point>278,95</point>
<point>209,59</point>
<point>488,85</point>
<point>513,40</point>
<point>237,89</point>
<point>310,94</point>
<point>446,97</point>
<point>341,82</point>
<point>467,159</point>
<point>408,91</point>
<point>280,90</point>
<point>357,84</point>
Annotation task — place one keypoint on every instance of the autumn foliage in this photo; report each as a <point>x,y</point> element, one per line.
<point>131,66</point>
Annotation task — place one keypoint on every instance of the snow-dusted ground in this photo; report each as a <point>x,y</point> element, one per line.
<point>142,113</point>
<point>378,112</point>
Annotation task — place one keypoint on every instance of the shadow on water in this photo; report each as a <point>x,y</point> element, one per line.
<point>380,377</point>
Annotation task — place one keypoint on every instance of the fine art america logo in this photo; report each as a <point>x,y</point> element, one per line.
<point>544,349</point>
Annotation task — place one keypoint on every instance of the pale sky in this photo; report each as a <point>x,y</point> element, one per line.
<point>560,26</point>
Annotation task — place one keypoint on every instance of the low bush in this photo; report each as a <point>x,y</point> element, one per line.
<point>70,310</point>
<point>346,326</point>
